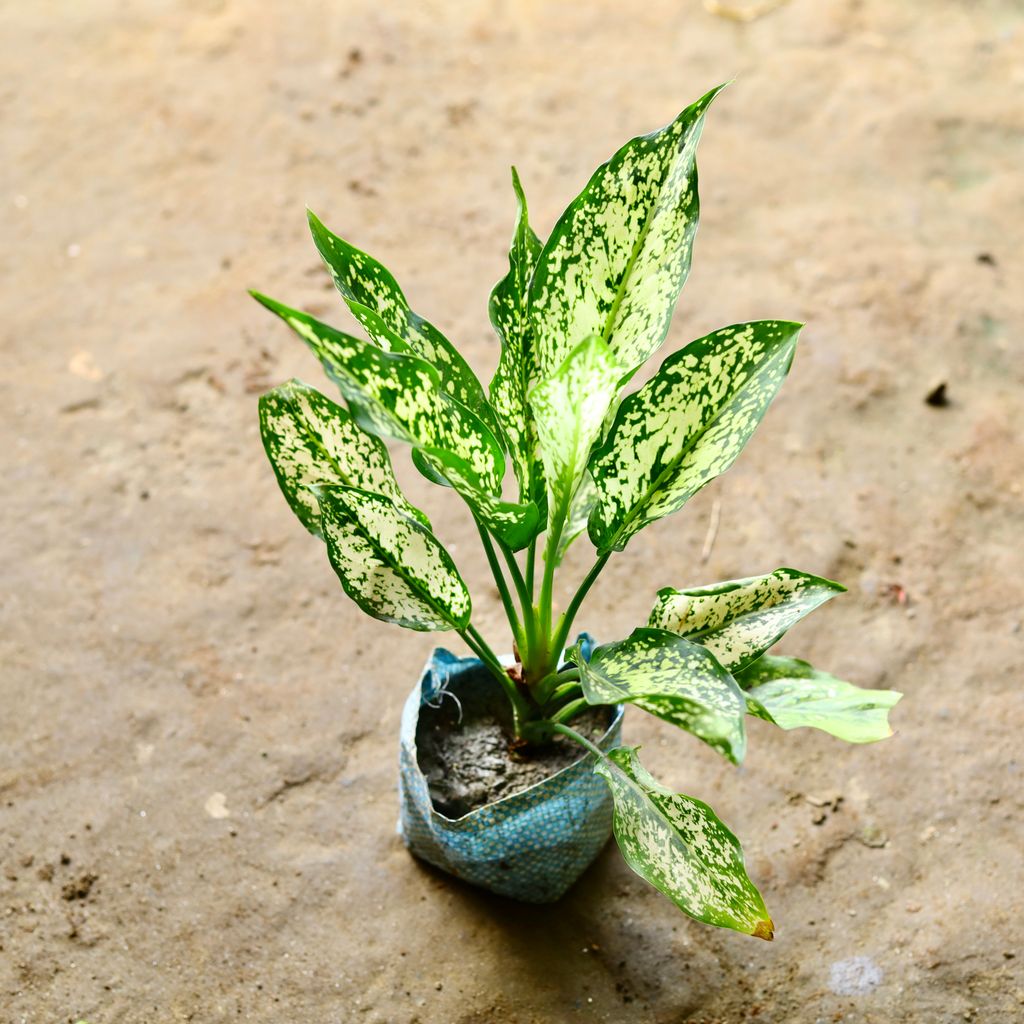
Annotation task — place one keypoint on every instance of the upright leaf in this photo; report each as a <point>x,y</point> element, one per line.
<point>686,426</point>
<point>569,407</point>
<point>740,619</point>
<point>680,846</point>
<point>389,563</point>
<point>510,314</point>
<point>793,694</point>
<point>620,254</point>
<point>373,295</point>
<point>312,442</point>
<point>399,395</point>
<point>673,679</point>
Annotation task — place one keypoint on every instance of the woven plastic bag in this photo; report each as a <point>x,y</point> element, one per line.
<point>531,845</point>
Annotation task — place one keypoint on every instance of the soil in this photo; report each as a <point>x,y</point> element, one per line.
<point>465,748</point>
<point>198,731</point>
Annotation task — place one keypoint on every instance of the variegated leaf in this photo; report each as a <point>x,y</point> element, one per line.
<point>373,295</point>
<point>680,846</point>
<point>569,407</point>
<point>399,395</point>
<point>686,426</point>
<point>619,255</point>
<point>514,523</point>
<point>673,679</point>
<point>311,441</point>
<point>740,619</point>
<point>390,564</point>
<point>510,314</point>
<point>579,512</point>
<point>793,694</point>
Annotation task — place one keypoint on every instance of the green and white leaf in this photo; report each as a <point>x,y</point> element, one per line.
<point>740,619</point>
<point>375,299</point>
<point>680,846</point>
<point>313,442</point>
<point>514,523</point>
<point>569,407</point>
<point>620,254</point>
<point>794,694</point>
<point>399,395</point>
<point>390,564</point>
<point>686,426</point>
<point>510,315</point>
<point>678,681</point>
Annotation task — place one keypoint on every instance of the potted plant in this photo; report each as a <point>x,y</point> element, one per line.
<point>511,772</point>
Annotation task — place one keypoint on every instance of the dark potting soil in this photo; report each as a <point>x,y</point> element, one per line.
<point>470,762</point>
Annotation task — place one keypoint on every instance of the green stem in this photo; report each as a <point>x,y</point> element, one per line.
<point>574,707</point>
<point>525,601</point>
<point>547,585</point>
<point>531,563</point>
<point>565,690</point>
<point>499,579</point>
<point>551,684</point>
<point>574,735</point>
<point>476,643</point>
<point>566,621</point>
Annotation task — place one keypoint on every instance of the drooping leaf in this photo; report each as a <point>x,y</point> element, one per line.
<point>579,512</point>
<point>311,441</point>
<point>375,299</point>
<point>619,255</point>
<point>390,564</point>
<point>510,315</point>
<point>569,407</point>
<point>740,619</point>
<point>686,426</point>
<point>673,679</point>
<point>680,846</point>
<point>514,523</point>
<point>793,694</point>
<point>399,395</point>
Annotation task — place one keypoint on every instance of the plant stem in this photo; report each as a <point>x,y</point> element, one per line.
<point>566,621</point>
<point>531,562</point>
<point>525,601</point>
<point>547,583</point>
<point>499,579</point>
<point>476,643</point>
<point>574,735</point>
<point>572,708</point>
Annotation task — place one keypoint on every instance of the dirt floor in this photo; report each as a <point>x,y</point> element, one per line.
<point>198,730</point>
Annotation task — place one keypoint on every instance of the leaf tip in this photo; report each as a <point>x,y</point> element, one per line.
<point>764,930</point>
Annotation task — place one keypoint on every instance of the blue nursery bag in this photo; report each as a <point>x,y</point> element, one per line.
<point>531,845</point>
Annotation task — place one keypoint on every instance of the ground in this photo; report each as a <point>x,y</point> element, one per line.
<point>198,731</point>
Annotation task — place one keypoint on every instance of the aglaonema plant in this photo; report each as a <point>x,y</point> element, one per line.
<point>577,316</point>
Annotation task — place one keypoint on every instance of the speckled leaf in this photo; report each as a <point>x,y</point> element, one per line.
<point>399,395</point>
<point>514,523</point>
<point>680,846</point>
<point>390,564</point>
<point>377,302</point>
<point>740,619</point>
<point>619,255</point>
<point>686,426</point>
<point>311,441</point>
<point>510,315</point>
<point>792,694</point>
<point>672,678</point>
<point>579,512</point>
<point>569,407</point>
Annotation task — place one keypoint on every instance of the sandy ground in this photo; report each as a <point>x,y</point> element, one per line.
<point>198,730</point>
